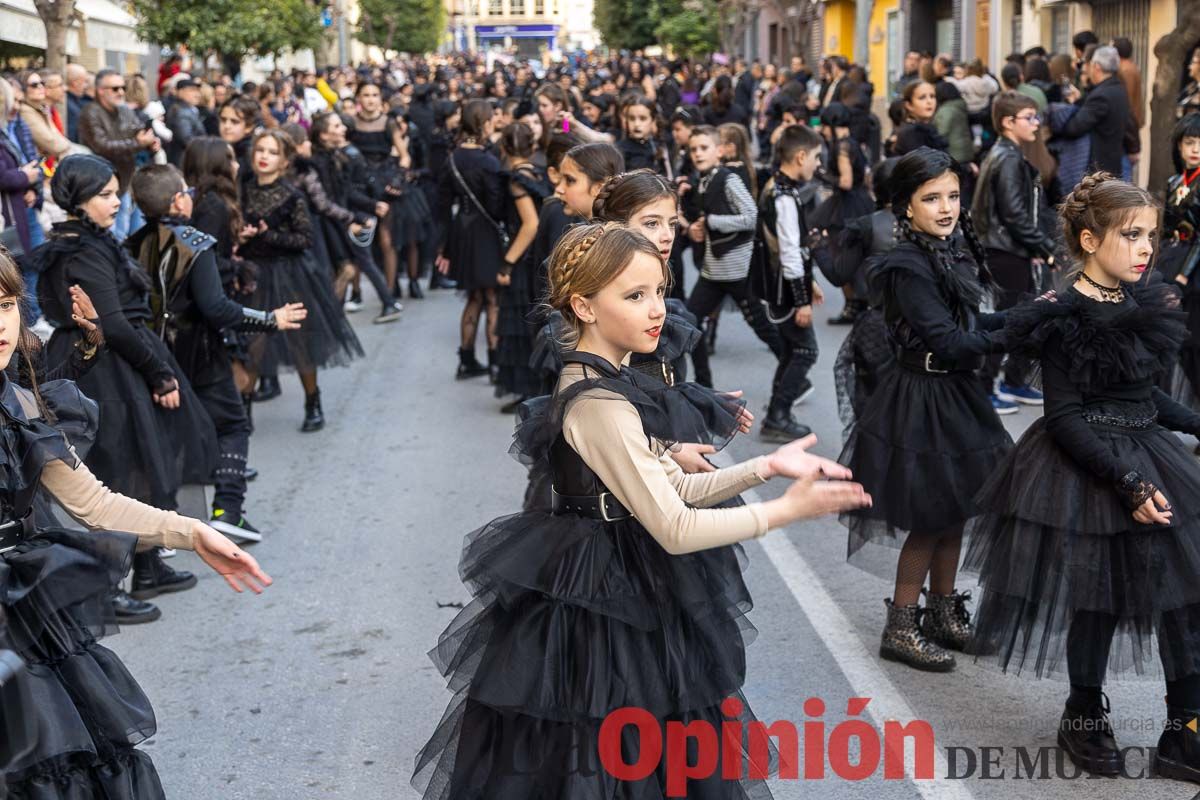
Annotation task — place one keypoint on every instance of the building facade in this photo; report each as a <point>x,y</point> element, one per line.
<point>529,27</point>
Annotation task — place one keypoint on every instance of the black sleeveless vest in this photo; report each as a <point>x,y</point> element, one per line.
<point>714,201</point>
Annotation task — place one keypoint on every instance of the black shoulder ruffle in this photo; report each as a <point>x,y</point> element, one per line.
<point>534,184</point>
<point>679,336</point>
<point>1103,348</point>
<point>685,412</point>
<point>957,276</point>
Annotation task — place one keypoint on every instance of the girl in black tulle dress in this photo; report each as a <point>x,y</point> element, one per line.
<point>527,188</point>
<point>928,438</point>
<point>288,273</point>
<point>69,725</point>
<point>1089,545</point>
<point>628,592</point>
<point>472,246</point>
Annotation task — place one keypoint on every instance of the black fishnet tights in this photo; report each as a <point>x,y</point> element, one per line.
<point>478,302</point>
<point>932,554</point>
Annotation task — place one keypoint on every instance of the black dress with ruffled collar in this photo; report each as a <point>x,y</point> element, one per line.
<point>74,715</point>
<point>1056,539</point>
<point>574,617</point>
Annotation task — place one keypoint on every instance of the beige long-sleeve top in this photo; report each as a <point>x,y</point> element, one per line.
<point>606,431</point>
<point>96,506</point>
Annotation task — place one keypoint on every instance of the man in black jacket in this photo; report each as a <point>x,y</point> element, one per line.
<point>1104,113</point>
<point>1008,212</point>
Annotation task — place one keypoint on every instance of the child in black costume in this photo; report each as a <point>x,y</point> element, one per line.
<point>928,438</point>
<point>87,712</point>
<point>655,619</point>
<point>1089,545</point>
<point>191,310</point>
<point>639,146</point>
<point>1181,249</point>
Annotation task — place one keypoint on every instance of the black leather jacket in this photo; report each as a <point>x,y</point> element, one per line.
<point>1007,205</point>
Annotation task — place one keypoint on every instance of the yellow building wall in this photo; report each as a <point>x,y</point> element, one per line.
<point>877,56</point>
<point>839,28</point>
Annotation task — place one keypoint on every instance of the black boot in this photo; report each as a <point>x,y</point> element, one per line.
<point>947,621</point>
<point>781,426</point>
<point>493,366</point>
<point>314,417</point>
<point>1178,753</point>
<point>152,577</point>
<point>468,367</point>
<point>710,335</point>
<point>133,612</point>
<point>414,290</point>
<point>1086,736</point>
<point>268,388</point>
<point>248,403</point>
<point>903,641</point>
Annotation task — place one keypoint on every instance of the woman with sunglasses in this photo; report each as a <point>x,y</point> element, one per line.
<point>43,121</point>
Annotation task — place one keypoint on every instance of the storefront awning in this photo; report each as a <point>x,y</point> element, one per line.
<point>20,24</point>
<point>107,26</point>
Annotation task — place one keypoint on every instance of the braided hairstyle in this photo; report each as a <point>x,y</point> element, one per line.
<point>586,259</point>
<point>622,195</point>
<point>1099,203</point>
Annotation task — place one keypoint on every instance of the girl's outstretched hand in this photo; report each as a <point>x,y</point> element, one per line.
<point>236,566</point>
<point>807,498</point>
<point>793,460</point>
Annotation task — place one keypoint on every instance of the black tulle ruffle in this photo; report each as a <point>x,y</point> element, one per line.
<point>1054,540</point>
<point>326,338</point>
<point>923,447</point>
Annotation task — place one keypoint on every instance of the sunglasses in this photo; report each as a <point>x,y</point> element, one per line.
<point>190,192</point>
<point>33,84</point>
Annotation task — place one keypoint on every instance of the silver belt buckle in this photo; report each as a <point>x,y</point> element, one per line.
<point>604,508</point>
<point>929,366</point>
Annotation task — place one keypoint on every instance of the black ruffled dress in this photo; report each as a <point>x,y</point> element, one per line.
<point>516,327</point>
<point>574,617</point>
<point>928,437</point>
<point>288,273</point>
<point>1070,582</point>
<point>86,711</point>
<point>143,450</point>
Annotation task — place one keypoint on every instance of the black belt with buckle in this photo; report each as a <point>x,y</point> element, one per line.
<point>16,531</point>
<point>928,362</point>
<point>601,506</point>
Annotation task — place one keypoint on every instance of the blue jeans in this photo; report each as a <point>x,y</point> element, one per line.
<point>129,218</point>
<point>36,237</point>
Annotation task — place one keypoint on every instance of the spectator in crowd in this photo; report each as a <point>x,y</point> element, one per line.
<point>1131,77</point>
<point>1014,81</point>
<point>40,116</point>
<point>911,73</point>
<point>1103,114</point>
<point>184,119</point>
<point>79,81</point>
<point>1189,97</point>
<point>110,128</point>
<point>1080,42</point>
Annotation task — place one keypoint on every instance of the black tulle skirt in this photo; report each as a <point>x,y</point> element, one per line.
<point>1054,541</point>
<point>142,450</point>
<point>410,218</point>
<point>923,447</point>
<point>516,331</point>
<point>325,339</point>
<point>86,711</point>
<point>572,619</point>
<point>1189,353</point>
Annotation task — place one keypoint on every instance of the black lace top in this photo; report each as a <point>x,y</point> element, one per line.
<point>281,206</point>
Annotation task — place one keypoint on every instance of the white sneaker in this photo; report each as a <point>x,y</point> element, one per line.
<point>166,552</point>
<point>352,306</point>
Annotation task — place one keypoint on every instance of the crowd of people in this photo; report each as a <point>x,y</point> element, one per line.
<point>176,254</point>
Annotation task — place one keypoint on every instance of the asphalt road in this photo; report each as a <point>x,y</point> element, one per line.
<point>321,688</point>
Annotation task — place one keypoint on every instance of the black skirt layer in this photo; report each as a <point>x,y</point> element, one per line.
<point>324,340</point>
<point>861,361</point>
<point>410,218</point>
<point>87,710</point>
<point>923,447</point>
<point>516,331</point>
<point>142,450</point>
<point>474,251</point>
<point>1054,540</point>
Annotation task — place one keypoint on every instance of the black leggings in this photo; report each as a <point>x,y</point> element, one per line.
<point>1088,643</point>
<point>707,297</point>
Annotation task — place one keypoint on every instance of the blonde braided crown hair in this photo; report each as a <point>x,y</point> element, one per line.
<point>586,259</point>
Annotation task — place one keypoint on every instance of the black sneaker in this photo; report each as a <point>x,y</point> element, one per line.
<point>133,612</point>
<point>250,473</point>
<point>235,526</point>
<point>391,312</point>
<point>782,428</point>
<point>152,577</point>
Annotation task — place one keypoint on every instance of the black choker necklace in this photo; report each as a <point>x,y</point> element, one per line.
<point>1107,293</point>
